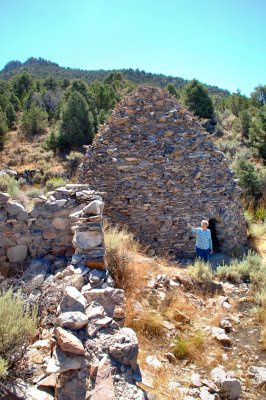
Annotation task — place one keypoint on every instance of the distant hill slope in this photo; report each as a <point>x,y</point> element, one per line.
<point>42,68</point>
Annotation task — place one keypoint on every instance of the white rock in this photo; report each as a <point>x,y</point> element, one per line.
<point>154,362</point>
<point>60,222</point>
<point>87,240</point>
<point>72,319</point>
<point>17,253</point>
<point>94,208</point>
<point>14,208</point>
<point>259,375</point>
<point>220,335</point>
<point>73,300</point>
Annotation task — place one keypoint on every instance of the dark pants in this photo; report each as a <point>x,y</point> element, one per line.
<point>203,254</point>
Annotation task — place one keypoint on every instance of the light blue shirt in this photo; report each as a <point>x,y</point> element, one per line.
<point>203,238</point>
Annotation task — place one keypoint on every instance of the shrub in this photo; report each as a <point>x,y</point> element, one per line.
<point>34,121</point>
<point>120,251</point>
<point>51,142</point>
<point>17,326</point>
<point>243,270</point>
<point>3,128</point>
<point>34,193</point>
<point>54,183</point>
<point>190,347</point>
<point>197,99</point>
<point>73,160</point>
<point>201,271</point>
<point>149,325</point>
<point>3,368</point>
<point>9,185</point>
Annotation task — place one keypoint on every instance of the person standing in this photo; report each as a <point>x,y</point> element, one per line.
<point>203,240</point>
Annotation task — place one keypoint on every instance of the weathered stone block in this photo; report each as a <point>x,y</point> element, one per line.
<point>17,253</point>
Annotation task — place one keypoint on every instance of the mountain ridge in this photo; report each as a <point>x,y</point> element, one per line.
<point>41,68</point>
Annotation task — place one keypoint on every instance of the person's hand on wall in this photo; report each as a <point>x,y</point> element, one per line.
<point>211,251</point>
<point>189,226</point>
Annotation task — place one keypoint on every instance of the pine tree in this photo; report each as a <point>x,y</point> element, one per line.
<point>34,121</point>
<point>3,128</point>
<point>10,115</point>
<point>197,99</point>
<point>77,122</point>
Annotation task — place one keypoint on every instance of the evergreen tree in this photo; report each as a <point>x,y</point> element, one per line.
<point>258,96</point>
<point>14,100</point>
<point>10,115</point>
<point>257,133</point>
<point>3,128</point>
<point>77,122</point>
<point>34,121</point>
<point>197,99</point>
<point>22,84</point>
<point>172,90</point>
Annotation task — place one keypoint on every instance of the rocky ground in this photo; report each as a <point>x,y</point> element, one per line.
<point>229,363</point>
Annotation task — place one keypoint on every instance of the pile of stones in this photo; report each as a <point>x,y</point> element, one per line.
<point>84,351</point>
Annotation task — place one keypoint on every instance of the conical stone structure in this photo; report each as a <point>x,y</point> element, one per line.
<point>160,170</point>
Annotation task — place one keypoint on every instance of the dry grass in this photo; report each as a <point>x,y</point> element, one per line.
<point>124,261</point>
<point>149,325</point>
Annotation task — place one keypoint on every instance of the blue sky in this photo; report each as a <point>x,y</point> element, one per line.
<point>220,42</point>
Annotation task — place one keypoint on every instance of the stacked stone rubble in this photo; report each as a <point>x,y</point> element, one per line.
<point>91,354</point>
<point>45,229</point>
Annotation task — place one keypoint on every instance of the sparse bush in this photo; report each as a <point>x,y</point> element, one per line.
<point>180,348</point>
<point>34,193</point>
<point>190,347</point>
<point>9,185</point>
<point>51,142</point>
<point>17,326</point>
<point>149,325</point>
<point>120,251</point>
<point>201,271</point>
<point>73,160</point>
<point>54,183</point>
<point>3,368</point>
<point>242,270</point>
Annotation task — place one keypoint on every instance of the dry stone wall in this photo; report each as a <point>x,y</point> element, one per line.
<point>84,351</point>
<point>160,170</point>
<point>46,229</point>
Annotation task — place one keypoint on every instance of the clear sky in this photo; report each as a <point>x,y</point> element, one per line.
<point>220,42</point>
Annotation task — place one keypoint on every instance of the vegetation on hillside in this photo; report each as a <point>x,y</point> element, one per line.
<point>64,107</point>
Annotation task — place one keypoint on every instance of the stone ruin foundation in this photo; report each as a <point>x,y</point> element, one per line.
<point>83,350</point>
<point>160,170</point>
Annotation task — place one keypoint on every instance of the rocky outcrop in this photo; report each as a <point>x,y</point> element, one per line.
<point>160,170</point>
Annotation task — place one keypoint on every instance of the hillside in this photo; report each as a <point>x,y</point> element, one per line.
<point>41,68</point>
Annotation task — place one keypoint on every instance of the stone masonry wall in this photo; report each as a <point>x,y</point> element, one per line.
<point>46,229</point>
<point>160,170</point>
<point>84,351</point>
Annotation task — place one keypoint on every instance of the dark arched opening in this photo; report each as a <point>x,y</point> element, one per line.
<point>215,240</point>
